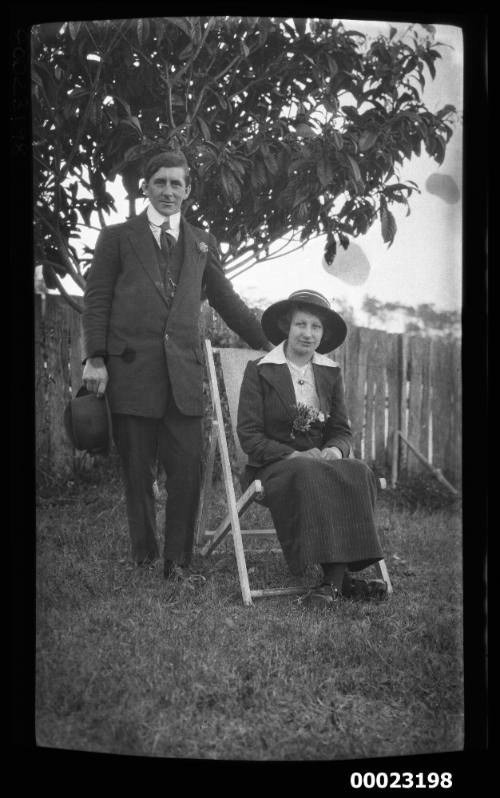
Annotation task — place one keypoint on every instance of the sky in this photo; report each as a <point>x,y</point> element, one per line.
<point>423,265</point>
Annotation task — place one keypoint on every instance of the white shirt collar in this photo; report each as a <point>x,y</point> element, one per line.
<point>277,355</point>
<point>157,219</point>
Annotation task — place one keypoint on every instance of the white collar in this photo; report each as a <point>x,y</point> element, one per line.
<point>157,219</point>
<point>277,355</point>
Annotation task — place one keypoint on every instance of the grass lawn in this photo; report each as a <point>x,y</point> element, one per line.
<point>128,663</point>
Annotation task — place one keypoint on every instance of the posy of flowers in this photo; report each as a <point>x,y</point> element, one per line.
<point>306,416</point>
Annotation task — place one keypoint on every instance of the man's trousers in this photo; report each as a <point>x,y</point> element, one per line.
<point>176,442</point>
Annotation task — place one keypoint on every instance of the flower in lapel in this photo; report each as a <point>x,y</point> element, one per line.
<point>203,247</point>
<point>305,417</point>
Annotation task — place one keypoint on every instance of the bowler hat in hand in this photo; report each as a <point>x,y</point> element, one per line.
<point>87,420</point>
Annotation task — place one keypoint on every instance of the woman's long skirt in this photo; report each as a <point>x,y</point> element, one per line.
<point>323,511</point>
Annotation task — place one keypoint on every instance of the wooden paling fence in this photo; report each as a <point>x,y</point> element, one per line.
<point>393,382</point>
<point>58,375</point>
<point>406,383</point>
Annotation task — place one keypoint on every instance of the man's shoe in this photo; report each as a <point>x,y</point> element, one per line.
<point>146,562</point>
<point>169,569</point>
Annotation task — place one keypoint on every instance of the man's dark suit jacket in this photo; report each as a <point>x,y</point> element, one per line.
<point>146,345</point>
<point>267,409</point>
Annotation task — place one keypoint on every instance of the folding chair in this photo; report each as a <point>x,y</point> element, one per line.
<point>233,363</point>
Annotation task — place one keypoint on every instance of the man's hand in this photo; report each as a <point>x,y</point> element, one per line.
<point>95,376</point>
<point>314,454</point>
<point>331,453</point>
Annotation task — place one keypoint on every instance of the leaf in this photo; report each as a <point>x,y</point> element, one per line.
<point>337,139</point>
<point>140,30</point>
<point>332,65</point>
<point>324,171</point>
<point>367,140</point>
<point>388,225</point>
<point>302,212</point>
<point>361,222</point>
<point>304,131</point>
<point>74,27</point>
<point>330,104</point>
<point>354,167</point>
<point>230,186</point>
<point>330,251</point>
<point>204,128</point>
<point>222,101</point>
<point>186,52</point>
<point>48,276</point>
<point>124,104</point>
<point>134,121</point>
<point>269,159</point>
<point>300,25</point>
<point>182,23</point>
<point>36,77</point>
<point>447,109</point>
<point>439,150</point>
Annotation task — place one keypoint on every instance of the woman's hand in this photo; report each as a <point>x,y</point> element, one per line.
<point>314,454</point>
<point>331,453</point>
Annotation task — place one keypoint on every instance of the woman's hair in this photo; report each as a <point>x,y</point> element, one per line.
<point>285,320</point>
<point>168,159</point>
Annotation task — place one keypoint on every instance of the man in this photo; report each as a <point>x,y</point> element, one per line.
<point>141,346</point>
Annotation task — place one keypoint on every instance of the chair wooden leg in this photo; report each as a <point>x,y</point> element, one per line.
<point>276,592</point>
<point>382,571</point>
<point>228,480</point>
<point>220,533</point>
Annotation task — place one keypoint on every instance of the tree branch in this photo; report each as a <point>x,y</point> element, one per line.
<point>235,266</point>
<point>101,218</point>
<point>235,270</point>
<point>70,268</point>
<point>227,68</point>
<point>69,299</point>
<point>178,75</point>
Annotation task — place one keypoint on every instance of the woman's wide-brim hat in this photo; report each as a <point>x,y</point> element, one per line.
<point>87,420</point>
<point>334,326</point>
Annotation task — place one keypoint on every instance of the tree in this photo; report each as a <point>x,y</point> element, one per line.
<point>423,319</point>
<point>294,128</point>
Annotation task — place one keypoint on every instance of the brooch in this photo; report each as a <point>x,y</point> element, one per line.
<point>203,247</point>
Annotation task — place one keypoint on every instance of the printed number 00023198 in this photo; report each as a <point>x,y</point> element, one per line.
<point>404,780</point>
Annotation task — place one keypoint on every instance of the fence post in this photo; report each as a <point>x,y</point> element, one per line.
<point>52,357</point>
<point>395,458</point>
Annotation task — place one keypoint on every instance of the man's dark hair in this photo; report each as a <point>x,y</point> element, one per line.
<point>168,159</point>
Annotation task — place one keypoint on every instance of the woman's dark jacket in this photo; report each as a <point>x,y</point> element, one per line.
<point>267,409</point>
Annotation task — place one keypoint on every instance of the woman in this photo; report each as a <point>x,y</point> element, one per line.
<point>293,425</point>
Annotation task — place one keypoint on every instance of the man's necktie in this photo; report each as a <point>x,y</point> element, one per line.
<point>167,243</point>
<point>167,240</point>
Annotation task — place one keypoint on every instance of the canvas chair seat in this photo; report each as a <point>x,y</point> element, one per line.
<point>228,383</point>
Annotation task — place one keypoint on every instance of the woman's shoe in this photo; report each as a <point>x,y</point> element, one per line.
<point>323,595</point>
<point>367,589</point>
